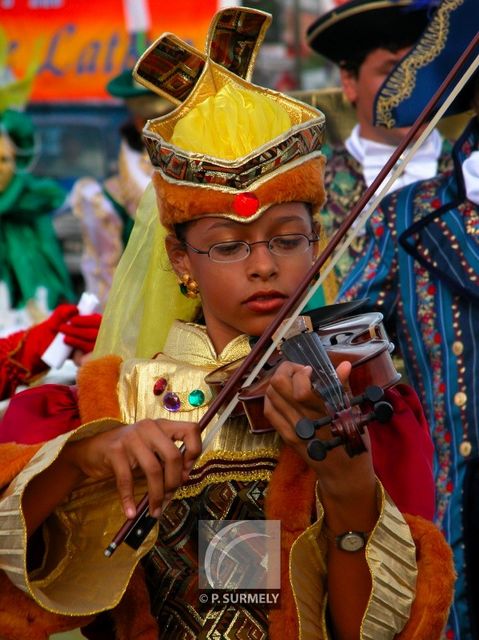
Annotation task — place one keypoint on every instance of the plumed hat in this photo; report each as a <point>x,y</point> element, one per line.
<point>230,148</point>
<point>408,88</point>
<point>359,26</point>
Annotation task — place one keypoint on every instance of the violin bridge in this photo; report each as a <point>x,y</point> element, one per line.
<point>301,324</point>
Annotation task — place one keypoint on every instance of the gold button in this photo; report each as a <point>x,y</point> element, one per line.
<point>460,399</point>
<point>465,448</point>
<point>457,348</point>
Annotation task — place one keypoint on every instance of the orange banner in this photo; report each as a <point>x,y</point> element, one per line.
<point>80,45</point>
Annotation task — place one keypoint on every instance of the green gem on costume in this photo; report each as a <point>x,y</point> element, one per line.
<point>196,398</point>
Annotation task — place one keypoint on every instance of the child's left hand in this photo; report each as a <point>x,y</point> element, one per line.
<point>289,398</point>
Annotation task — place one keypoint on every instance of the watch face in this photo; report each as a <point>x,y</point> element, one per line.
<point>351,541</point>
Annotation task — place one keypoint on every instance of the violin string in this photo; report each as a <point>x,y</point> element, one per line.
<point>331,386</point>
<point>307,349</point>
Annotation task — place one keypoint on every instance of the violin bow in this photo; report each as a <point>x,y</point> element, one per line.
<point>137,528</point>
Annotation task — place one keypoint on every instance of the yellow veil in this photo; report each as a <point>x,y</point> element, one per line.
<point>145,297</point>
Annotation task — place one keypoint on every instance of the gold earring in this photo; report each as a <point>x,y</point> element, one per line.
<point>188,286</point>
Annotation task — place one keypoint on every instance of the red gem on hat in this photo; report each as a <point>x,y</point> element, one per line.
<point>245,204</point>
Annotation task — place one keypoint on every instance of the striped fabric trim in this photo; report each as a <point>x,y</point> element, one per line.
<point>391,556</point>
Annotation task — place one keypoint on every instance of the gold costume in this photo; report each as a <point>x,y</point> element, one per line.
<point>76,579</point>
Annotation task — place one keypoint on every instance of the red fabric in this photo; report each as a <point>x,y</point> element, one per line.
<point>40,336</point>
<point>81,331</point>
<point>402,452</point>
<point>39,414</point>
<point>11,373</point>
<point>20,353</point>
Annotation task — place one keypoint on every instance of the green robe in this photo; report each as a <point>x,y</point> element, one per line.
<point>30,254</point>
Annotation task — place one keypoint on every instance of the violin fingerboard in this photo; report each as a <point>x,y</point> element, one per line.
<point>307,349</point>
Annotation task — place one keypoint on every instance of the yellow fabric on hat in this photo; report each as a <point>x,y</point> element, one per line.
<point>231,124</point>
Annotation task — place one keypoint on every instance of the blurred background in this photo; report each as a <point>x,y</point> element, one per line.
<point>64,52</point>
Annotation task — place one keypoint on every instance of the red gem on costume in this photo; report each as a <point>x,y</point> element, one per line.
<point>431,289</point>
<point>160,386</point>
<point>437,338</point>
<point>442,387</point>
<point>245,204</point>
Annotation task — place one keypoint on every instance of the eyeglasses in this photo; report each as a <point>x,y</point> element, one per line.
<point>290,244</point>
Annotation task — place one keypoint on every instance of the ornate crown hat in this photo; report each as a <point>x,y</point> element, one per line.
<point>408,88</point>
<point>363,25</point>
<point>229,148</point>
<point>278,154</point>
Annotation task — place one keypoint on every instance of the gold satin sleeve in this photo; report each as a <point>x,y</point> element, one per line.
<point>75,577</point>
<point>391,557</point>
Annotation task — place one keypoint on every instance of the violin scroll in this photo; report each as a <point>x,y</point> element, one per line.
<point>317,449</point>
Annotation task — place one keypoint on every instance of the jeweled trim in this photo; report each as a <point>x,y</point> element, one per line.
<point>302,142</point>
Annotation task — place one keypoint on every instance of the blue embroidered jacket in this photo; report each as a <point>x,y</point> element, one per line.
<point>420,267</point>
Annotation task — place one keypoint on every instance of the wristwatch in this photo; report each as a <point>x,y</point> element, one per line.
<point>351,541</point>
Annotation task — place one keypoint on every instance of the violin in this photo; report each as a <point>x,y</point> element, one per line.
<point>362,340</point>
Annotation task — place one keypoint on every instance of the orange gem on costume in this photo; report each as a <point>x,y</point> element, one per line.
<point>245,204</point>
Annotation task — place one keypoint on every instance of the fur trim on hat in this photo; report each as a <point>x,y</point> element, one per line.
<point>183,202</point>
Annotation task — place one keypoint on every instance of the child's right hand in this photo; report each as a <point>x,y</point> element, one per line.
<point>148,445</point>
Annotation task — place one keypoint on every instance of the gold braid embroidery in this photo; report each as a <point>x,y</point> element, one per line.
<point>401,84</point>
<point>215,478</point>
<point>238,465</point>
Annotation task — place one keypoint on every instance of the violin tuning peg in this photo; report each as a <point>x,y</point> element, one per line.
<point>373,393</point>
<point>305,429</point>
<point>318,449</point>
<point>383,411</point>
